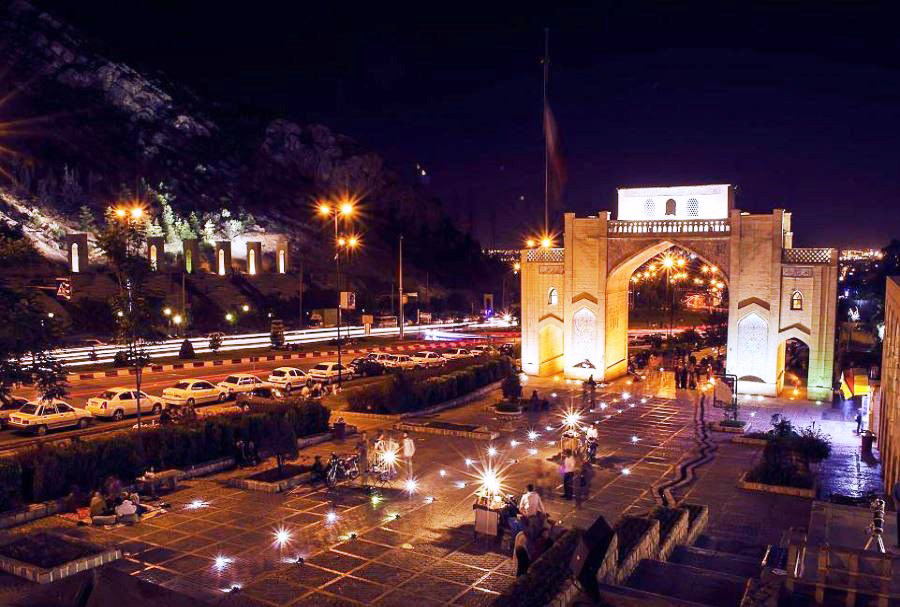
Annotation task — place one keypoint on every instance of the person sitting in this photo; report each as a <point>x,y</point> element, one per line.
<point>98,505</point>
<point>305,392</point>
<point>252,454</point>
<point>165,417</point>
<point>126,511</point>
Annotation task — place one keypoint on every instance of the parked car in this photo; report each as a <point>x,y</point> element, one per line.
<point>483,350</point>
<point>193,392</point>
<point>365,367</point>
<point>457,353</point>
<point>239,382</point>
<point>9,404</point>
<point>263,397</point>
<point>507,349</point>
<point>427,360</point>
<point>328,372</point>
<point>39,417</point>
<point>119,402</point>
<point>398,362</point>
<point>378,357</point>
<point>288,378</point>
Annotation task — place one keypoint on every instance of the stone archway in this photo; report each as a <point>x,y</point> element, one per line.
<point>550,346</point>
<point>754,252</point>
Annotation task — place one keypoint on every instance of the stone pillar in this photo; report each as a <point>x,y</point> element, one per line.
<point>156,252</point>
<point>77,252</point>
<point>191,249</point>
<point>222,259</point>
<point>254,258</point>
<point>281,257</point>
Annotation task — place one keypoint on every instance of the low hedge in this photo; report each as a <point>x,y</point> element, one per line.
<point>545,576</point>
<point>402,392</point>
<point>50,471</point>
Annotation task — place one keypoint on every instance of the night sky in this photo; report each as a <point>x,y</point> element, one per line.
<point>798,105</point>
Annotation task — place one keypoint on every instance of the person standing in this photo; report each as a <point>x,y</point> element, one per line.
<point>585,478</point>
<point>409,449</point>
<point>362,452</point>
<point>859,420</point>
<point>530,503</point>
<point>568,470</point>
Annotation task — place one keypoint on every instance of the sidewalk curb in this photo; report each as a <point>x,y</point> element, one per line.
<point>72,377</point>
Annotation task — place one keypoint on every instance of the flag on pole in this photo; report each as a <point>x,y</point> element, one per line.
<point>556,163</point>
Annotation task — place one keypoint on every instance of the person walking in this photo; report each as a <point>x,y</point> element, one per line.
<point>409,449</point>
<point>859,420</point>
<point>568,471</point>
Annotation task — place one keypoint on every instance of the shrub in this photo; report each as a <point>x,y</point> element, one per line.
<point>120,359</point>
<point>401,392</point>
<point>49,471</point>
<point>215,342</point>
<point>187,350</point>
<point>512,387</point>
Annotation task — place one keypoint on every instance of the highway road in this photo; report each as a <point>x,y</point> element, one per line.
<point>154,383</point>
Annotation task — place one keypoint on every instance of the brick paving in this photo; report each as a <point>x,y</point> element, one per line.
<point>406,550</point>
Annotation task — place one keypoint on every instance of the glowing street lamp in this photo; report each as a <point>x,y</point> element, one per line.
<point>530,243</point>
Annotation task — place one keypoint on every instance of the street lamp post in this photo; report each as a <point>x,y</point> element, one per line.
<point>344,209</point>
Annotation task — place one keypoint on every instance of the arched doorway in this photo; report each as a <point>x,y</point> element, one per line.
<point>251,262</point>
<point>153,264</point>
<point>221,262</point>
<point>793,367</point>
<point>550,346</point>
<point>667,293</point>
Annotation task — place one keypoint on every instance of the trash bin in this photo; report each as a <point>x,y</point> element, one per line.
<point>340,430</point>
<point>868,438</point>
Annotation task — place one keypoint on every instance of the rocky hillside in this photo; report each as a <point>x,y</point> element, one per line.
<point>86,131</point>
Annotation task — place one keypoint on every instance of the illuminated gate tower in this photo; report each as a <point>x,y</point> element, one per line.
<point>575,298</point>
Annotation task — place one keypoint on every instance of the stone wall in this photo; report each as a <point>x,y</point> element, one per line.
<point>632,550</point>
<point>888,430</point>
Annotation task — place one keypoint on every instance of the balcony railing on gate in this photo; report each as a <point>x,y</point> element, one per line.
<point>809,255</point>
<point>669,226</point>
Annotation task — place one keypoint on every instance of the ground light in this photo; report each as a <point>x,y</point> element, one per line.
<point>331,517</point>
<point>221,562</point>
<point>282,537</point>
<point>411,485</point>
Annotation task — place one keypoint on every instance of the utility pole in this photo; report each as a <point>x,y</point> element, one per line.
<point>183,309</point>
<point>400,289</point>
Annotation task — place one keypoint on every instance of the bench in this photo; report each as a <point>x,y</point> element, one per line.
<point>152,481</point>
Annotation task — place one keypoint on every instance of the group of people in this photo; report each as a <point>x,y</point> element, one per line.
<point>123,506</point>
<point>689,372</point>
<point>317,390</point>
<point>577,475</point>
<point>529,526</point>
<point>246,453</point>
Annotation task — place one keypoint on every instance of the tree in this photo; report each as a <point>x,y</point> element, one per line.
<point>28,335</point>
<point>280,439</point>
<point>187,350</point>
<point>122,240</point>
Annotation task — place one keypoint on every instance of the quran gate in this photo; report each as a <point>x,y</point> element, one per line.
<point>575,298</point>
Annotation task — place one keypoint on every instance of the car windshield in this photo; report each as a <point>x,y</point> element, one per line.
<point>182,385</point>
<point>232,379</point>
<point>278,373</point>
<point>322,367</point>
<point>421,354</point>
<point>29,409</point>
<point>109,394</point>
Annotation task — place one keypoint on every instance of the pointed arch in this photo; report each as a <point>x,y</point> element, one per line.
<point>76,262</point>
<point>251,262</point>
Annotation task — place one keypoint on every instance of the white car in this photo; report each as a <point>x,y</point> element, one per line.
<point>288,378</point>
<point>398,362</point>
<point>328,372</point>
<point>457,353</point>
<point>39,417</point>
<point>482,350</point>
<point>119,402</point>
<point>378,357</point>
<point>240,383</point>
<point>425,360</point>
<point>193,392</point>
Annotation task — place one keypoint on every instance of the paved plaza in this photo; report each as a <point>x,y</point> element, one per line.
<point>419,548</point>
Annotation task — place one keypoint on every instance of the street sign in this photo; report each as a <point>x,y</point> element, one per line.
<point>368,320</point>
<point>348,300</point>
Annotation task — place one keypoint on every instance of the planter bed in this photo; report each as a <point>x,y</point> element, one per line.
<point>510,413</point>
<point>269,481</point>
<point>750,440</point>
<point>673,528</point>
<point>743,483</point>
<point>448,429</point>
<point>45,557</point>
<point>720,427</point>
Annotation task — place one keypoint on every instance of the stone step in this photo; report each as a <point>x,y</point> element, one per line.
<point>623,596</point>
<point>732,546</point>
<point>725,562</point>
<point>688,583</point>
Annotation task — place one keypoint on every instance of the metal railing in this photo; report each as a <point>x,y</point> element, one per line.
<point>809,256</point>
<point>669,226</point>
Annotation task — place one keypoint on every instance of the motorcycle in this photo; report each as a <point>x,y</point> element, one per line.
<point>341,468</point>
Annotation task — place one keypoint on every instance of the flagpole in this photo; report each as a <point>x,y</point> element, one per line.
<point>544,121</point>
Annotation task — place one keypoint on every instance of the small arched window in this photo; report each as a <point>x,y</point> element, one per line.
<point>251,262</point>
<point>188,261</point>
<point>670,206</point>
<point>221,262</point>
<point>153,257</point>
<point>76,263</point>
<point>796,300</point>
<point>552,296</point>
<point>281,261</point>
